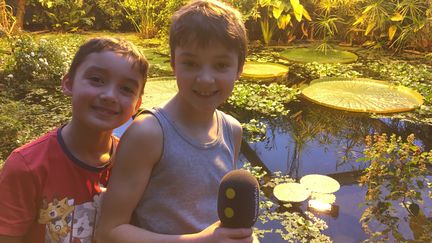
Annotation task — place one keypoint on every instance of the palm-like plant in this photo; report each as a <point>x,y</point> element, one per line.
<point>398,21</point>
<point>278,13</point>
<point>412,18</point>
<point>326,27</point>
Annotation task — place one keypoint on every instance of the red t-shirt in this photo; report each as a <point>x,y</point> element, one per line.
<point>48,195</point>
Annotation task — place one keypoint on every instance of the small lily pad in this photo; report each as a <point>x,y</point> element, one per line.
<point>328,198</point>
<point>264,70</point>
<point>362,95</point>
<point>306,55</point>
<point>291,192</point>
<point>158,91</point>
<point>320,183</point>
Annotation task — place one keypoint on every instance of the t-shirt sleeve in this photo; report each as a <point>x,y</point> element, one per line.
<point>18,209</point>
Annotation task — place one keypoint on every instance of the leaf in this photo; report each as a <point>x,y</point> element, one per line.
<point>298,9</point>
<point>349,94</point>
<point>277,11</point>
<point>359,20</point>
<point>283,21</point>
<point>264,3</point>
<point>298,13</point>
<point>369,28</point>
<point>392,32</point>
<point>368,8</point>
<point>306,15</point>
<point>397,17</point>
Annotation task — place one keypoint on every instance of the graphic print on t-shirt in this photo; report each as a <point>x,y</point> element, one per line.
<point>69,223</point>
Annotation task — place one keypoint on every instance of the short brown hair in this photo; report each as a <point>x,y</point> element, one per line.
<point>203,21</point>
<point>116,45</point>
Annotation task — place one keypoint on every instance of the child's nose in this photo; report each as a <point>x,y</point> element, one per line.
<point>205,76</point>
<point>109,93</point>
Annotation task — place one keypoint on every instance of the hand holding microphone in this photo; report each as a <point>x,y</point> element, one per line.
<point>238,199</point>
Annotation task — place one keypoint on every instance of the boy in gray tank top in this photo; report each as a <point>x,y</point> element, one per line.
<point>171,160</point>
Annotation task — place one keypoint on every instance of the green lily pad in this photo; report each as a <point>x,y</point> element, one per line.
<point>320,183</point>
<point>305,55</point>
<point>328,198</point>
<point>362,95</point>
<point>291,192</point>
<point>264,70</point>
<point>158,91</point>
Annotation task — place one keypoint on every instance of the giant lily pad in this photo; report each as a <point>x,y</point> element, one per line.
<point>158,90</point>
<point>320,183</point>
<point>291,192</point>
<point>362,95</point>
<point>313,55</point>
<point>264,70</point>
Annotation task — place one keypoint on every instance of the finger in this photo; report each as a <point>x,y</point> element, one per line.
<point>239,233</point>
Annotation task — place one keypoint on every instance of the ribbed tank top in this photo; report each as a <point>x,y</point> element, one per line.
<point>181,195</point>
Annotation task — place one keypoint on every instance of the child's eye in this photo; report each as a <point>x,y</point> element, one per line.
<point>96,80</point>
<point>222,66</point>
<point>189,64</point>
<point>128,90</point>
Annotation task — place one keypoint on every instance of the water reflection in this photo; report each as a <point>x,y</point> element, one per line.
<point>325,141</point>
<point>319,140</point>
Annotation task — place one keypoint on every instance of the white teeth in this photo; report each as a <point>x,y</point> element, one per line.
<point>205,93</point>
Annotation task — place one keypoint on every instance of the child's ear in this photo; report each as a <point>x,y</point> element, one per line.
<point>172,65</point>
<point>138,104</point>
<point>67,84</point>
<point>239,72</point>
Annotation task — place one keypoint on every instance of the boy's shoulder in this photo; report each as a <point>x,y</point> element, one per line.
<point>230,119</point>
<point>35,152</point>
<point>36,144</point>
<point>32,158</point>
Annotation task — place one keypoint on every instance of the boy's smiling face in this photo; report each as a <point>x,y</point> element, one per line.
<point>205,75</point>
<point>105,90</point>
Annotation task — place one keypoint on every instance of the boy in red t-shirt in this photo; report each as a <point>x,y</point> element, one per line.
<point>50,188</point>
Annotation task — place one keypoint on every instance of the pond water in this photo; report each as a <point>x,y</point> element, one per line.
<point>318,140</point>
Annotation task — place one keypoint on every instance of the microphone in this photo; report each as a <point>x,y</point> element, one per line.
<point>238,199</point>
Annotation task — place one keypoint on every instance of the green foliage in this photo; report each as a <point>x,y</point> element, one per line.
<point>21,121</point>
<point>39,112</point>
<point>36,63</point>
<point>108,14</point>
<point>65,15</point>
<point>150,17</point>
<point>278,13</point>
<point>397,173</point>
<point>267,100</point>
<point>254,130</point>
<point>314,70</point>
<point>400,22</point>
<point>263,101</point>
<point>10,126</point>
<point>294,226</point>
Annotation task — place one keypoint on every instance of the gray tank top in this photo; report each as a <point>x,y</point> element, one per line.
<point>181,196</point>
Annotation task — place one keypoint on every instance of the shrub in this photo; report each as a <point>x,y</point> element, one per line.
<point>396,179</point>
<point>35,64</point>
<point>10,126</point>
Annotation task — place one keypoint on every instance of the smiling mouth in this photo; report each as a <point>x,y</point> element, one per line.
<point>104,110</point>
<point>205,94</point>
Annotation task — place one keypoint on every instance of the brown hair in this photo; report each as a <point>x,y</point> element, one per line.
<point>116,45</point>
<point>203,21</point>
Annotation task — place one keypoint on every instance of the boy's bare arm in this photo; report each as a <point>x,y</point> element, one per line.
<point>138,151</point>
